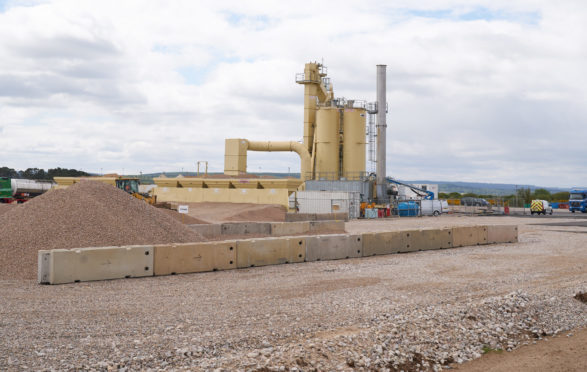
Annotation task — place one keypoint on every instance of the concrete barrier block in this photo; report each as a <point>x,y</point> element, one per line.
<point>423,240</point>
<point>380,243</point>
<point>326,226</point>
<point>207,230</point>
<point>502,234</point>
<point>87,264</point>
<point>194,257</point>
<point>464,236</point>
<point>337,216</point>
<point>289,228</point>
<point>270,251</point>
<point>243,228</point>
<point>333,247</point>
<point>44,267</point>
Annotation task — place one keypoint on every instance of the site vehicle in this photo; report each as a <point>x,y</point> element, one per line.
<point>21,190</point>
<point>434,207</point>
<point>5,190</point>
<point>131,186</point>
<point>476,202</point>
<point>540,206</point>
<point>578,200</point>
<point>127,184</point>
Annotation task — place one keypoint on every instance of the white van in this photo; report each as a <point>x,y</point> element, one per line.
<point>434,207</point>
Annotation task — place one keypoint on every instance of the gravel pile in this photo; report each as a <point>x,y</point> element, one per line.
<point>87,214</point>
<point>6,207</point>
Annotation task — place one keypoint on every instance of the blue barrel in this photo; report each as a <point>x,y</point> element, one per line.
<point>408,209</point>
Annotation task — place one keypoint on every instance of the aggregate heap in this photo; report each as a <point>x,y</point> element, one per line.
<point>87,214</point>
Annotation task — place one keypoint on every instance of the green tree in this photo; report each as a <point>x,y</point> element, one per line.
<point>562,195</point>
<point>524,196</point>
<point>8,172</point>
<point>63,172</point>
<point>443,195</point>
<point>542,194</point>
<point>34,174</point>
<point>454,195</point>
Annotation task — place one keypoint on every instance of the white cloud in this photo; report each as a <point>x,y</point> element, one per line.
<point>484,90</point>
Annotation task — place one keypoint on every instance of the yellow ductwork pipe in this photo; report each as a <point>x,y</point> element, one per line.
<point>235,161</point>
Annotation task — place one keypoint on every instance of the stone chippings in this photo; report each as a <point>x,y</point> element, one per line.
<point>411,312</point>
<point>426,338</point>
<point>87,214</point>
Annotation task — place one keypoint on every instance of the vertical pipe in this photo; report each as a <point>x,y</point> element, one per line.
<point>381,131</point>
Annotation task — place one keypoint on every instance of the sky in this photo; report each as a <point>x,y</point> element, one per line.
<point>478,91</point>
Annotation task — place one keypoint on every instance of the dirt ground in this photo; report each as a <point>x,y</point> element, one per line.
<point>235,212</point>
<point>417,311</point>
<point>564,353</point>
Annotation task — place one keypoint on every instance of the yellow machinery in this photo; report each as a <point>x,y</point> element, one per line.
<point>334,134</point>
<point>127,184</point>
<point>333,148</point>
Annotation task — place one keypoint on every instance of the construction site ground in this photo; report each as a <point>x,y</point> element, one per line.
<point>416,311</point>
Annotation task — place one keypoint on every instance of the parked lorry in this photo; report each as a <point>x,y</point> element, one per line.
<point>578,200</point>
<point>14,190</point>
<point>540,207</point>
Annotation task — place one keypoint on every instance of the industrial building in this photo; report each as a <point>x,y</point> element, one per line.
<point>333,153</point>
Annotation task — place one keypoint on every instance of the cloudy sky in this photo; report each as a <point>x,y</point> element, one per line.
<point>488,91</point>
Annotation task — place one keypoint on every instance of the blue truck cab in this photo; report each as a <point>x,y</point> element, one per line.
<point>578,200</point>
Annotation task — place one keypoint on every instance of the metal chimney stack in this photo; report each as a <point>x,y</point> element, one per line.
<point>381,129</point>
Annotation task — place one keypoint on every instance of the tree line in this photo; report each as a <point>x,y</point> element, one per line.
<point>523,196</point>
<point>41,174</point>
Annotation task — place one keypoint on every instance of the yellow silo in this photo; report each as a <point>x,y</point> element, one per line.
<point>327,161</point>
<point>353,153</point>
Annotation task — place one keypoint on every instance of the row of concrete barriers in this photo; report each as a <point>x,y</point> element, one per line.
<point>60,266</point>
<point>268,228</point>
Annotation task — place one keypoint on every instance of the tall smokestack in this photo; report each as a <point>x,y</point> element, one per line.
<point>381,129</point>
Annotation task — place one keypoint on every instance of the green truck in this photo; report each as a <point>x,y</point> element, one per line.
<point>5,190</point>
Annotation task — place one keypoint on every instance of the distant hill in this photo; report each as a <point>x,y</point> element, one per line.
<point>479,188</point>
<point>483,188</point>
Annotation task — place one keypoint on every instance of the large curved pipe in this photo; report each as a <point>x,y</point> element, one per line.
<point>296,147</point>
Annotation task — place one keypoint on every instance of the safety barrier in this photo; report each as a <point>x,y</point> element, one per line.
<point>244,228</point>
<point>333,247</point>
<point>502,234</point>
<point>382,243</point>
<point>290,228</point>
<point>270,251</point>
<point>86,264</point>
<point>194,257</point>
<point>267,228</point>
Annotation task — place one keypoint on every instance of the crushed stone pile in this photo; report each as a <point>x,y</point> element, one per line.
<point>6,207</point>
<point>87,214</point>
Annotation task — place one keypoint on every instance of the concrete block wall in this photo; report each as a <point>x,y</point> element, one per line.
<point>333,247</point>
<point>194,257</point>
<point>270,251</point>
<point>86,264</point>
<point>502,234</point>
<point>463,236</point>
<point>267,228</point>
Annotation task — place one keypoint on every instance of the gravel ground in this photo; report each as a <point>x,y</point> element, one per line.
<point>237,212</point>
<point>416,311</point>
